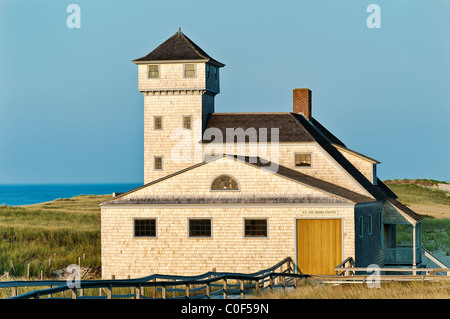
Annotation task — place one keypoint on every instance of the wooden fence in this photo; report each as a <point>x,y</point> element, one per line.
<point>213,285</point>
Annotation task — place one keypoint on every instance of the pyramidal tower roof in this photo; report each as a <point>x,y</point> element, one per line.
<point>178,48</point>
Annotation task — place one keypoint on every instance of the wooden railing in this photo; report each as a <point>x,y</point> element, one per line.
<point>347,267</point>
<point>209,285</point>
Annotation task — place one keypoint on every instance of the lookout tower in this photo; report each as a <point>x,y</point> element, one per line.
<point>179,82</point>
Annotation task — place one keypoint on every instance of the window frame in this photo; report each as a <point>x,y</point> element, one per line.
<point>148,71</point>
<point>225,190</point>
<point>145,218</point>
<point>154,123</point>
<point>199,218</point>
<point>184,70</point>
<point>255,218</point>
<point>361,226</point>
<point>154,163</point>
<point>303,153</point>
<point>190,122</point>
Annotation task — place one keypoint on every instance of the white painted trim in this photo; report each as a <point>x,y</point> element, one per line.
<point>199,61</point>
<point>257,205</point>
<point>354,153</point>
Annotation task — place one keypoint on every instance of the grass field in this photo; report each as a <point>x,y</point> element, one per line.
<point>62,231</point>
<point>391,290</point>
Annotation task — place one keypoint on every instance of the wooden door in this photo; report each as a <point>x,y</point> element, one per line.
<point>319,245</point>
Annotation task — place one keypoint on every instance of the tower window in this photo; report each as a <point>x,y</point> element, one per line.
<point>158,164</point>
<point>216,73</point>
<point>153,71</point>
<point>189,70</point>
<point>187,122</point>
<point>302,160</point>
<point>157,123</point>
<point>207,70</point>
<point>224,183</point>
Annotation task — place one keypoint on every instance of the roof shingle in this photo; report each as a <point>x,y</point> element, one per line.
<point>178,47</point>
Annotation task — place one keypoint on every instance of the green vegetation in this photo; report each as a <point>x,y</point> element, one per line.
<point>62,231</point>
<point>435,234</point>
<point>420,181</point>
<point>415,194</point>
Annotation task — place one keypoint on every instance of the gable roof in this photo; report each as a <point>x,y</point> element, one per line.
<point>307,180</point>
<point>178,47</point>
<point>345,149</point>
<point>402,209</point>
<point>295,128</point>
<point>258,163</point>
<point>290,130</point>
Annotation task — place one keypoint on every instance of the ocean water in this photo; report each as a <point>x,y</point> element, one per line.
<point>16,195</point>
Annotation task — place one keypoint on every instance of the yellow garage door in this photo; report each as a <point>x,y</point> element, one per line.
<point>319,245</point>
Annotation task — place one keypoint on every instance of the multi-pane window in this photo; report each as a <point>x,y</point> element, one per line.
<point>145,228</point>
<point>189,70</point>
<point>302,160</point>
<point>224,182</point>
<point>187,122</point>
<point>158,162</point>
<point>153,71</point>
<point>199,227</point>
<point>255,228</point>
<point>158,122</point>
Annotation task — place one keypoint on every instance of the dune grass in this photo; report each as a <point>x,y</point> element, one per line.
<point>410,194</point>
<point>391,290</point>
<point>62,231</point>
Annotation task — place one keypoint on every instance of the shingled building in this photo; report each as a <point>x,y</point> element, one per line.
<point>242,191</point>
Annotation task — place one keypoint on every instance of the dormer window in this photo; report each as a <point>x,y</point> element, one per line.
<point>302,160</point>
<point>189,70</point>
<point>224,183</point>
<point>153,71</point>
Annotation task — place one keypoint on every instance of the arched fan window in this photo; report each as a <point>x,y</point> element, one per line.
<point>224,183</point>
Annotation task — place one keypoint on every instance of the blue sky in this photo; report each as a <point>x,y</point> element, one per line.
<point>70,111</point>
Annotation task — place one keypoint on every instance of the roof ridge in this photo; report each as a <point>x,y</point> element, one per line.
<point>297,122</point>
<point>156,49</point>
<point>191,44</point>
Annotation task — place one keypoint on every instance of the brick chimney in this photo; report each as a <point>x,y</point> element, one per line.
<point>302,102</point>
